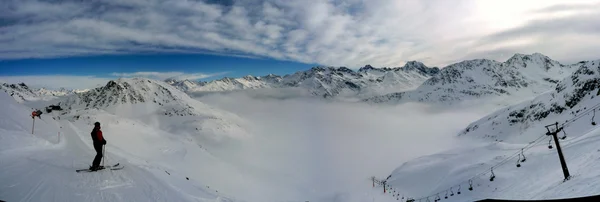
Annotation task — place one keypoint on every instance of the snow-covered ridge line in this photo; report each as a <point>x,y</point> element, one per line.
<point>520,76</point>
<point>574,95</point>
<point>22,93</point>
<point>147,95</point>
<point>324,81</point>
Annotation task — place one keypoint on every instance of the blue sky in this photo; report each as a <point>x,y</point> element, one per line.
<point>91,71</point>
<point>108,65</point>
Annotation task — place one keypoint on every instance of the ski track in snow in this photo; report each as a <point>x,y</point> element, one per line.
<point>47,173</point>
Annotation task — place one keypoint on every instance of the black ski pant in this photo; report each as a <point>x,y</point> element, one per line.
<point>98,158</point>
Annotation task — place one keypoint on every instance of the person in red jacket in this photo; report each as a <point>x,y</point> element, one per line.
<point>99,141</point>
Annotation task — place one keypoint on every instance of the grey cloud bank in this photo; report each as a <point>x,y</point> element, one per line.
<point>339,33</point>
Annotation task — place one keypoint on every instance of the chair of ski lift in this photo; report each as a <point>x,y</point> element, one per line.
<point>549,143</point>
<point>519,161</point>
<point>492,176</point>
<point>564,135</point>
<point>470,185</point>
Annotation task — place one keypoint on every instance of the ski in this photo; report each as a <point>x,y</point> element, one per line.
<point>113,167</point>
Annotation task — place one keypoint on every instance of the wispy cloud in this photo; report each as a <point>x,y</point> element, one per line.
<point>169,75</point>
<point>350,33</point>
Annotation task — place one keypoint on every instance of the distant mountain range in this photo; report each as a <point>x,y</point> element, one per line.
<point>525,75</point>
<point>522,76</point>
<point>325,81</point>
<point>21,92</point>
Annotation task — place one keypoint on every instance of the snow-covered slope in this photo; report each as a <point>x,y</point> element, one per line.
<point>502,134</point>
<point>325,81</point>
<point>41,166</point>
<point>520,76</point>
<point>21,92</point>
<point>176,133</point>
<point>574,96</point>
<point>539,177</point>
<point>119,95</point>
<point>156,102</point>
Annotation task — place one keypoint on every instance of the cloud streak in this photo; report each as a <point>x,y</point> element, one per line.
<point>169,75</point>
<point>349,33</point>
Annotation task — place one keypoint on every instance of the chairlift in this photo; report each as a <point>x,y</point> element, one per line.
<point>564,135</point>
<point>549,143</point>
<point>470,185</point>
<point>519,161</point>
<point>492,176</point>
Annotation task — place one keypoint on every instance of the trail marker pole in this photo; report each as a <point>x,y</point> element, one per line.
<point>33,125</point>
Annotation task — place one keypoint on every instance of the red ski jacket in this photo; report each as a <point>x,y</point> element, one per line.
<point>97,136</point>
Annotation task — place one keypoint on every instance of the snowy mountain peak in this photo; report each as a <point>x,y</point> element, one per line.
<point>271,78</point>
<point>141,92</point>
<point>536,59</point>
<point>250,78</point>
<point>529,56</point>
<point>367,68</point>
<point>522,75</point>
<point>227,79</point>
<point>420,68</point>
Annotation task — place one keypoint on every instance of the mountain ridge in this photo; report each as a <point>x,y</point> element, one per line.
<point>325,81</point>
<point>471,79</point>
<point>22,93</point>
<point>572,97</point>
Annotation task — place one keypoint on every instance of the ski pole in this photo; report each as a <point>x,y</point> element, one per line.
<point>103,154</point>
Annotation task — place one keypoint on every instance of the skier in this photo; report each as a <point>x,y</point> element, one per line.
<point>99,142</point>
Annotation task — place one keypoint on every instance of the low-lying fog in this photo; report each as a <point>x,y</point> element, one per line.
<point>327,150</point>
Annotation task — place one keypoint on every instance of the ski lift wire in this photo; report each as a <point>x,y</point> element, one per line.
<point>506,160</point>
